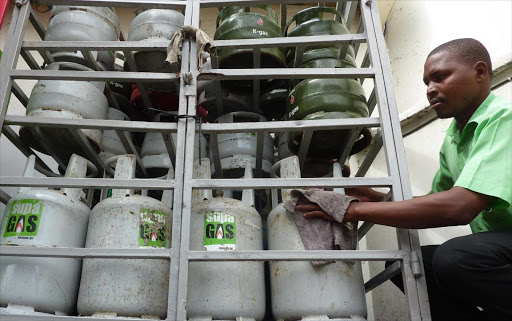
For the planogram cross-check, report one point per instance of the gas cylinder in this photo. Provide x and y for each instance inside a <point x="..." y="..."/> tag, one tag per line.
<point x="155" y="25"/>
<point x="238" y="150"/>
<point x="111" y="143"/>
<point x="231" y="101"/>
<point x="81" y="23"/>
<point x="44" y="218"/>
<point x="225" y="290"/>
<point x="128" y="288"/>
<point x="300" y="290"/>
<point x="66" y="99"/>
<point x="236" y="23"/>
<point x="316" y="21"/>
<point x="273" y="99"/>
<point x="155" y="157"/>
<point x="325" y="99"/>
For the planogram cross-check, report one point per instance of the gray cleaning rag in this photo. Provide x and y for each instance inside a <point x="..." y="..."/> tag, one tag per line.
<point x="321" y="234"/>
<point x="204" y="43"/>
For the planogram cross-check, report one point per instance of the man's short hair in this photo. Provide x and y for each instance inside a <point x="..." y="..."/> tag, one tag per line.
<point x="467" y="50"/>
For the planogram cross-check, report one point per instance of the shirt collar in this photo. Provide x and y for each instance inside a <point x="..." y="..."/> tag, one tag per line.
<point x="476" y="118"/>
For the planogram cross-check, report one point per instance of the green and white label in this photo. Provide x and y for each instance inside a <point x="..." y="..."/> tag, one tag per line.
<point x="219" y="231"/>
<point x="152" y="228"/>
<point x="23" y="220"/>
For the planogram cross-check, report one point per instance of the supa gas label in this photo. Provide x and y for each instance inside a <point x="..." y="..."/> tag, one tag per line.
<point x="152" y="228"/>
<point x="24" y="218"/>
<point x="219" y="231"/>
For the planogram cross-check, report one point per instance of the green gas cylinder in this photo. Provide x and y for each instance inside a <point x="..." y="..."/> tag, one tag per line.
<point x="325" y="99"/>
<point x="316" y="21"/>
<point x="246" y="23"/>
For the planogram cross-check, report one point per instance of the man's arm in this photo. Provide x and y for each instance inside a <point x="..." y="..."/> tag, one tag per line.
<point x="457" y="206"/>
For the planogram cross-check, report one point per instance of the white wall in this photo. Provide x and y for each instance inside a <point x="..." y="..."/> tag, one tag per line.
<point x="413" y="29"/>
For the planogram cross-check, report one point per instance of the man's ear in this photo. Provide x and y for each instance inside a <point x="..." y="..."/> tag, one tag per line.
<point x="481" y="69"/>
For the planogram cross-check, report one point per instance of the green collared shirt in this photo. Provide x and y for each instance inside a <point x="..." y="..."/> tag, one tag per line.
<point x="480" y="159"/>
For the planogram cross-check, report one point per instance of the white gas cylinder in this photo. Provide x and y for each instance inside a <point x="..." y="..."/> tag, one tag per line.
<point x="44" y="218"/>
<point x="239" y="150"/>
<point x="81" y="23"/>
<point x="300" y="290"/>
<point x="155" y="25"/>
<point x="225" y="290"/>
<point x="129" y="288"/>
<point x="111" y="143"/>
<point x="155" y="157"/>
<point x="66" y="99"/>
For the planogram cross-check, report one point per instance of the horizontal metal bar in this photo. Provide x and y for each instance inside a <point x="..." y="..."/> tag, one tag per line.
<point x="219" y="44"/>
<point x="286" y="126"/>
<point x="72" y="252"/>
<point x="388" y="273"/>
<point x="138" y="183"/>
<point x="227" y="3"/>
<point x="326" y="182"/>
<point x="93" y="75"/>
<point x="155" y="4"/>
<point x="285" y="73"/>
<point x="274" y="255"/>
<point x="49" y="317"/>
<point x="97" y="45"/>
<point x="102" y="124"/>
<point x="206" y="128"/>
<point x="289" y="41"/>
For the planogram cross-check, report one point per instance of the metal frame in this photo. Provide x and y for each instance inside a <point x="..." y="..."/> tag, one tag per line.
<point x="375" y="65"/>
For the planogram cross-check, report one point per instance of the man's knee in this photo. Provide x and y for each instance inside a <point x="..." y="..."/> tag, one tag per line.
<point x="453" y="258"/>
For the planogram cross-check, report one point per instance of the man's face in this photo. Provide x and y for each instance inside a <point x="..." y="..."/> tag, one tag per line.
<point x="451" y="85"/>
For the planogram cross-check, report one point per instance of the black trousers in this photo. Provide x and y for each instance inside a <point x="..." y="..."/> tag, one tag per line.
<point x="469" y="278"/>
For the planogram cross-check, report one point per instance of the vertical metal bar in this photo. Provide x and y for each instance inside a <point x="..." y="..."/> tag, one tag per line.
<point x="284" y="9"/>
<point x="304" y="146"/>
<point x="183" y="174"/>
<point x="18" y="92"/>
<point x="4" y="197"/>
<point x="35" y="131"/>
<point x="341" y="7"/>
<point x="140" y="85"/>
<point x="90" y="196"/>
<point x="38" y="26"/>
<point x="217" y="88"/>
<point x="370" y="156"/>
<point x="16" y="140"/>
<point x="91" y="59"/>
<point x="10" y="56"/>
<point x="47" y="56"/>
<point x="29" y="59"/>
<point x="415" y="288"/>
<point x="354" y="134"/>
<point x="350" y="12"/>
<point x="410" y="235"/>
<point x="171" y="148"/>
<point x="80" y="138"/>
<point x="129" y="147"/>
<point x="256" y="63"/>
<point x="214" y="146"/>
<point x="260" y="136"/>
<point x="360" y="29"/>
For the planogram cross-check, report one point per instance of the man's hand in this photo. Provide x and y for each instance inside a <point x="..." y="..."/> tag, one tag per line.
<point x="365" y="194"/>
<point x="312" y="210"/>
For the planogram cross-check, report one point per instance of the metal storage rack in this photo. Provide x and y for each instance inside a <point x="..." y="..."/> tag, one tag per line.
<point x="375" y="66"/>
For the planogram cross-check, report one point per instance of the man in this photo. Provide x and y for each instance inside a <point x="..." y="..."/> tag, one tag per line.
<point x="473" y="186"/>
